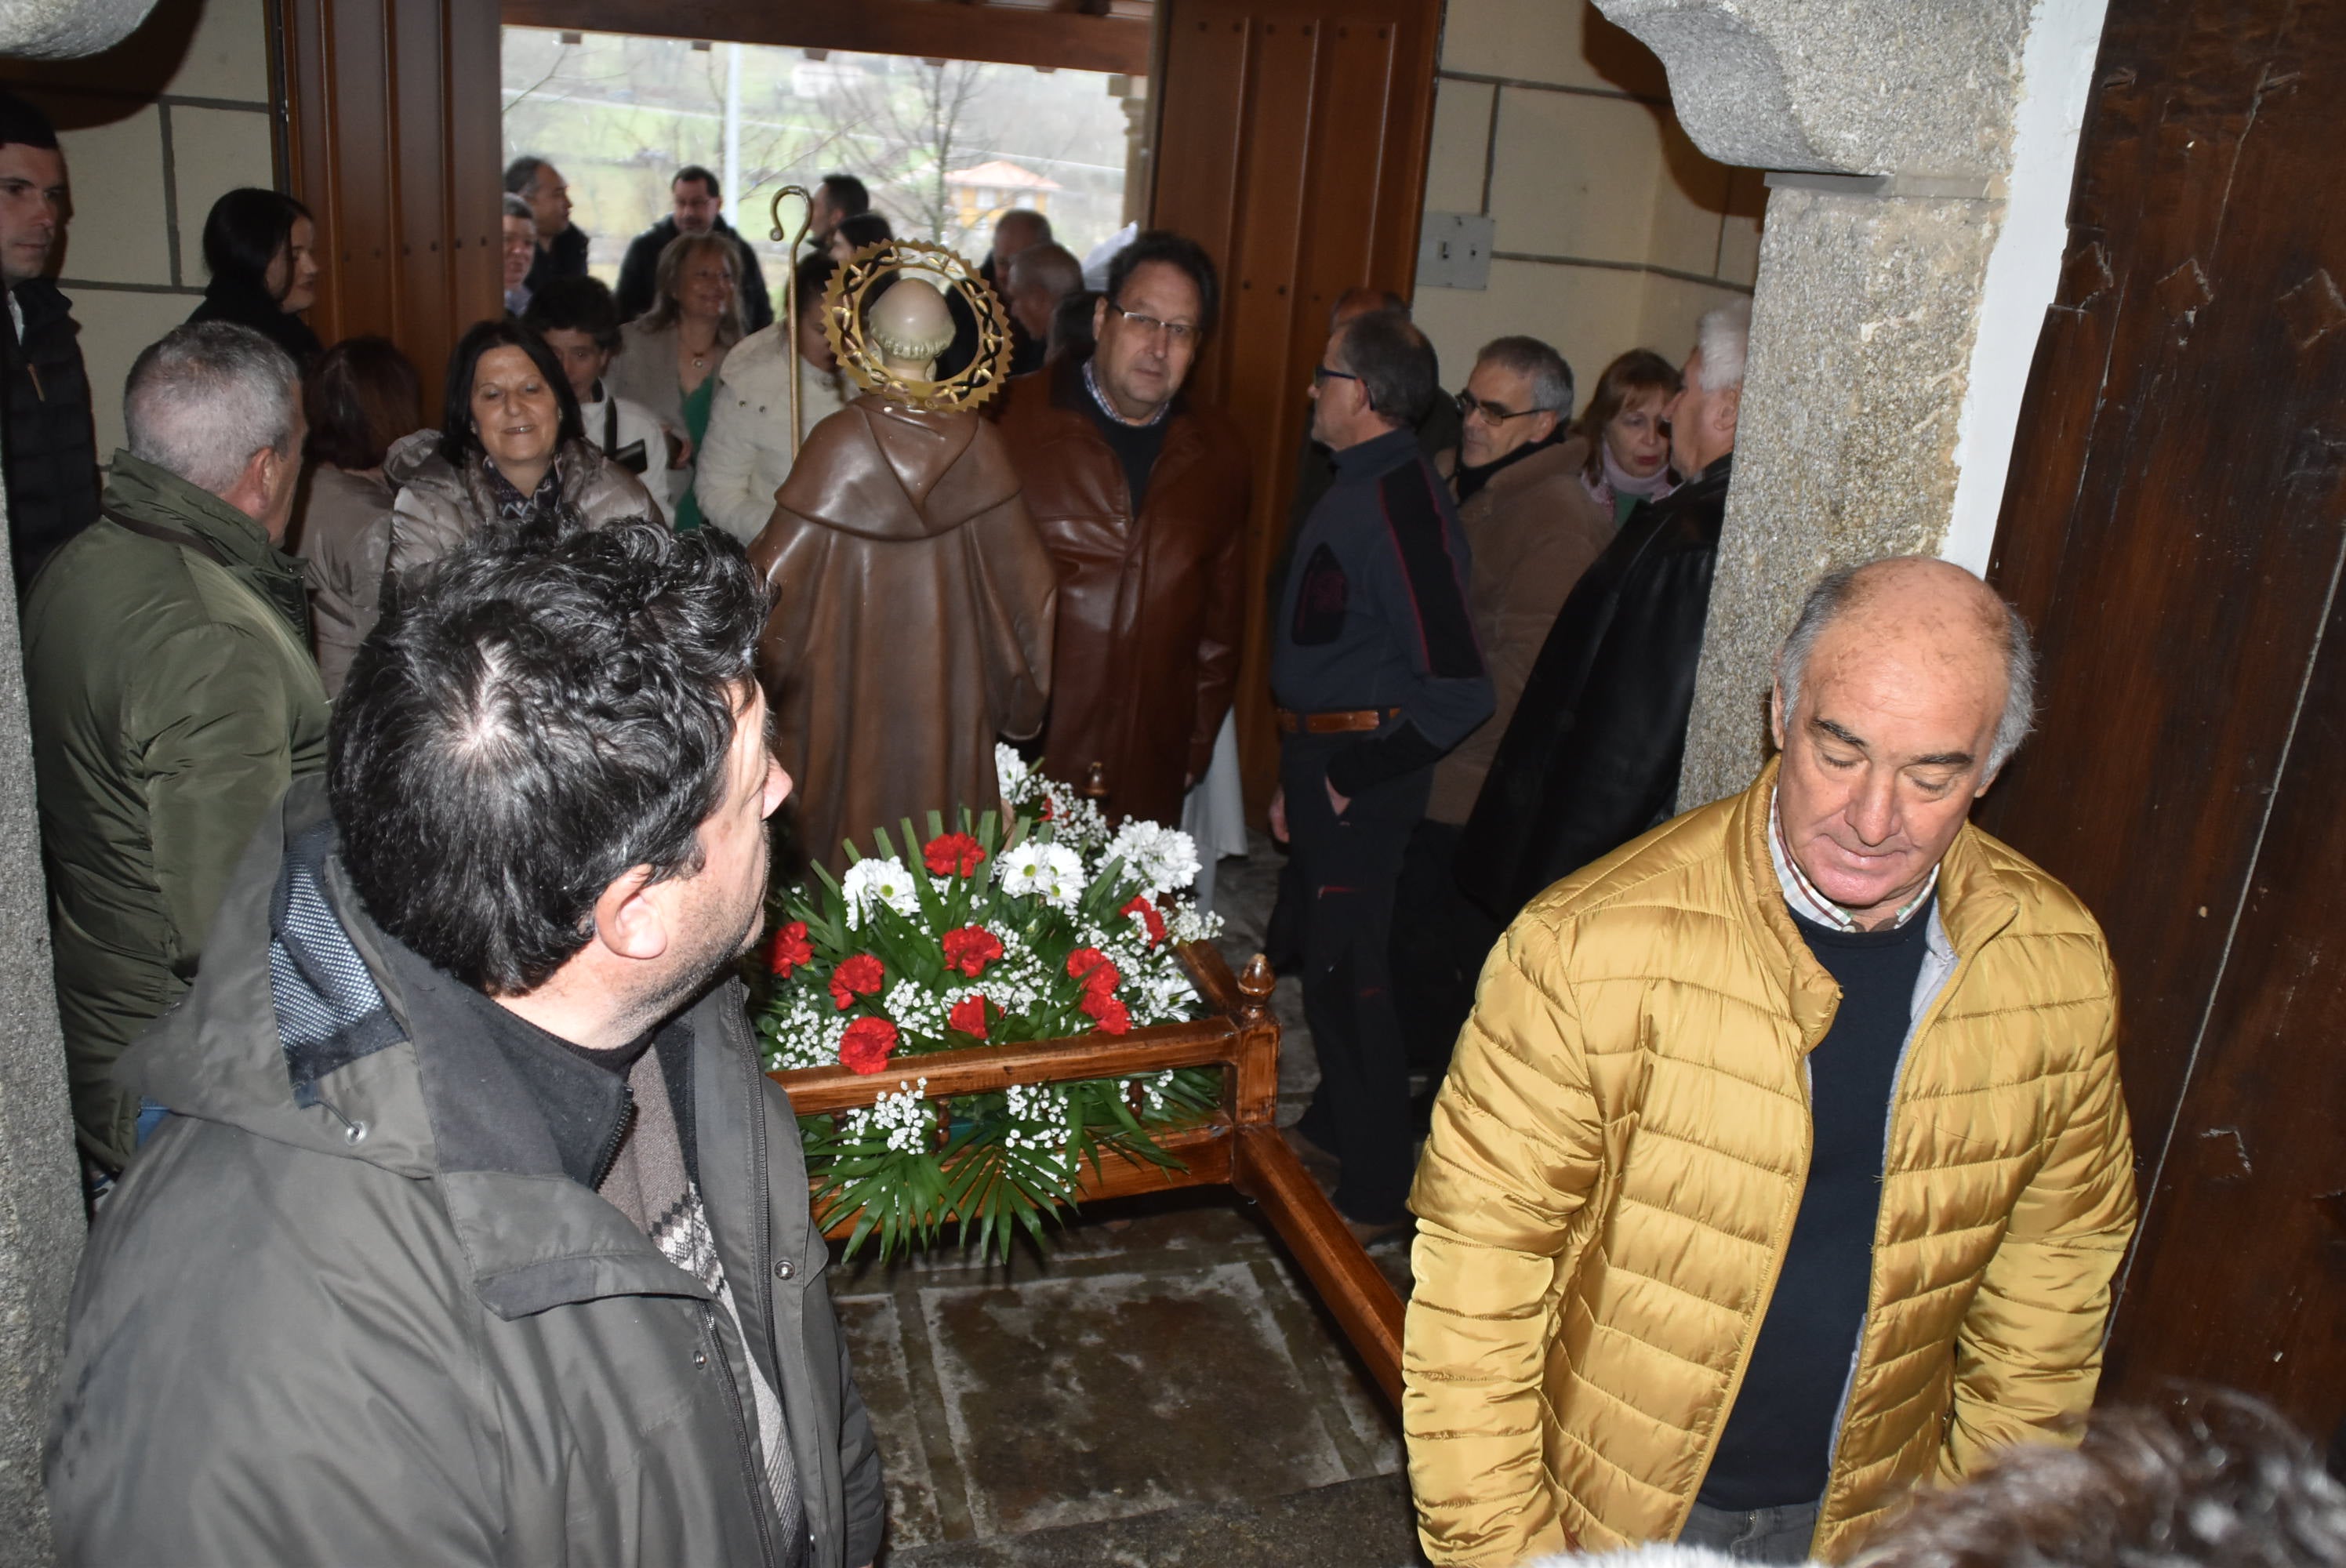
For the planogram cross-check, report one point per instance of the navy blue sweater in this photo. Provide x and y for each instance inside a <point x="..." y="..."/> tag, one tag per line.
<point x="1374" y="614"/>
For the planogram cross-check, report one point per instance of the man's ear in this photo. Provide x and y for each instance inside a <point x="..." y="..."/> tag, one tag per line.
<point x="628" y="919"/>
<point x="1544" y="423"/>
<point x="1776" y="713"/>
<point x="1099" y="317"/>
<point x="1725" y="407"/>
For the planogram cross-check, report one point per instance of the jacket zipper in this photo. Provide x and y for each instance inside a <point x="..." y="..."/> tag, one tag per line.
<point x="618" y="1135"/>
<point x="762" y="1490"/>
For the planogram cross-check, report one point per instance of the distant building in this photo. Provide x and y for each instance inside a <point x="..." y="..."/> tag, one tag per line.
<point x="983" y="194"/>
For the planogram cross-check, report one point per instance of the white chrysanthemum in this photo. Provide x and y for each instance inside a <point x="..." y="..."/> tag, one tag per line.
<point x="1061" y="880"/>
<point x="1161" y="858"/>
<point x="879" y="881"/>
<point x="1011" y="771"/>
<point x="1023" y="870"/>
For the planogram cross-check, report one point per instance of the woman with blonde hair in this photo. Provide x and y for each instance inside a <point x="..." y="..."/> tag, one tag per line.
<point x="668" y="357"/>
<point x="1625" y="441"/>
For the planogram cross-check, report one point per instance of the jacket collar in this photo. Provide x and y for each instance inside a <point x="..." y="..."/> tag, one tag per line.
<point x="141" y="490"/>
<point x="1381" y="455"/>
<point x="1972" y="907"/>
<point x="42" y="302"/>
<point x="1070" y="392"/>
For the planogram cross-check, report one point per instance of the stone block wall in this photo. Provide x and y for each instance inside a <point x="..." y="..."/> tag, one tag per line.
<point x="154" y="131"/>
<point x="1613" y="230"/>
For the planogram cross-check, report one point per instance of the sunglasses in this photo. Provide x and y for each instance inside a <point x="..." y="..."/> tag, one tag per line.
<point x="1469" y="405"/>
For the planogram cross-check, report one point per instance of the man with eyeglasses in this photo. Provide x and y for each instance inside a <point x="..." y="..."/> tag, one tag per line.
<point x="1533" y="528"/>
<point x="1376" y="672"/>
<point x="1140" y="496"/>
<point x="1591" y="758"/>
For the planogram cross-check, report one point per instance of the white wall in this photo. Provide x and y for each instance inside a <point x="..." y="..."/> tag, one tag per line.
<point x="1613" y="233"/>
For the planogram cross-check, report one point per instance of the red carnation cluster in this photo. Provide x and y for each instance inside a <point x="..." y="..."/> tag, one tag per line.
<point x="867" y="1044"/>
<point x="970" y="950"/>
<point x="968" y="1015"/>
<point x="1100" y="979"/>
<point x="790" y="949"/>
<point x="1140" y="906"/>
<point x="859" y="976"/>
<point x="954" y="854"/>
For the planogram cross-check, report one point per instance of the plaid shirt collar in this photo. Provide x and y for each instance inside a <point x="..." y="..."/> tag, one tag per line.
<point x="1091" y="385"/>
<point x="1803" y="895"/>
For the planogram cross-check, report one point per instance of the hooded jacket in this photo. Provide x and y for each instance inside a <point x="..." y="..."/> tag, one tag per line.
<point x="437" y="506"/>
<point x="1618" y="1157"/>
<point x="1151" y="599"/>
<point x="172" y="698"/>
<point x="354" y="1302"/>
<point x="913" y="607"/>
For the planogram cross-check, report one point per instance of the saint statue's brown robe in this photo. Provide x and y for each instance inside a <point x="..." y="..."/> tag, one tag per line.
<point x="914" y="610"/>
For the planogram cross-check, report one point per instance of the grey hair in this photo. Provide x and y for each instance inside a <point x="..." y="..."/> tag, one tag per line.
<point x="1723" y="336"/>
<point x="1834" y="592"/>
<point x="516" y="207"/>
<point x="203" y="398"/>
<point x="1550" y="376"/>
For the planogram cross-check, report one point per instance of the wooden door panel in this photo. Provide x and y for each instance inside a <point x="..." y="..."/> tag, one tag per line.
<point x="2174" y="527"/>
<point x="420" y="307"/>
<point x="1206" y="63"/>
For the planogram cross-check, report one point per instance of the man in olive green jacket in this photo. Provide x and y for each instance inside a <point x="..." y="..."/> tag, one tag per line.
<point x="172" y="691"/>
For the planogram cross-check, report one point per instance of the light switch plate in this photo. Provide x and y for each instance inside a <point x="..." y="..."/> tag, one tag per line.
<point x="1453" y="250"/>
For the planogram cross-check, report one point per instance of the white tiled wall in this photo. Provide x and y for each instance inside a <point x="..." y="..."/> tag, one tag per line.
<point x="1613" y="230"/>
<point x="153" y="131"/>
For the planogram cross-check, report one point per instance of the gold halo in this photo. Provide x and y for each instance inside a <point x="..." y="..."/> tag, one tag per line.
<point x="842" y="323"/>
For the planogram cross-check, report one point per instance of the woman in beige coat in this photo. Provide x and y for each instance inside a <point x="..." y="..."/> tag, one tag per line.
<point x="361" y="395"/>
<point x="669" y="358"/>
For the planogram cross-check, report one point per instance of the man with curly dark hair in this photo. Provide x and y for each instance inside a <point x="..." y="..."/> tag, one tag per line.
<point x="476" y="1234"/>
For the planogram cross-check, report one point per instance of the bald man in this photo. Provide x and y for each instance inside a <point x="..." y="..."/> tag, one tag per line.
<point x="1782" y="1164"/>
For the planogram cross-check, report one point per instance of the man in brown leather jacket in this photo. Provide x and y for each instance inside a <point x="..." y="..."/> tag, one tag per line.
<point x="1140" y="497"/>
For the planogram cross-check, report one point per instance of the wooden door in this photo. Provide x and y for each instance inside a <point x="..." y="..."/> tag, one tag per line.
<point x="2176" y="528"/>
<point x="1292" y="145"/>
<point x="395" y="145"/>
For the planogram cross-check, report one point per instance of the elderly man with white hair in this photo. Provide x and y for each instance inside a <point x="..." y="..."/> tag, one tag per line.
<point x="1590" y="758"/>
<point x="1783" y="1162"/>
<point x="172" y="692"/>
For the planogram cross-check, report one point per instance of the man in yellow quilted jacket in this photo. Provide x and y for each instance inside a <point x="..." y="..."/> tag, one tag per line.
<point x="1782" y="1165"/>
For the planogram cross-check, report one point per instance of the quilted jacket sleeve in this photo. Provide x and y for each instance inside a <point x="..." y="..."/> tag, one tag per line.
<point x="2029" y="1352"/>
<point x="1514" y="1157"/>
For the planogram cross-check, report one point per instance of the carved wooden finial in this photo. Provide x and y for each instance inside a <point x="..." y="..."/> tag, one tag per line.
<point x="1256" y="983"/>
<point x="1096" y="784"/>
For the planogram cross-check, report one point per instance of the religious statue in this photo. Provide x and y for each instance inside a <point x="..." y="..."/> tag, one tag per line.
<point x="913" y="602"/>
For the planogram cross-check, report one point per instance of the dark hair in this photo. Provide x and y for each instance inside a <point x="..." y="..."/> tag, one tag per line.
<point x="2213" y="1478"/>
<point x="575" y="305"/>
<point x="847" y="194"/>
<point x="246" y="230"/>
<point x="811" y="277"/>
<point x="522" y="172"/>
<point x="458" y="440"/>
<point x="1071" y="324"/>
<point x="864" y="229"/>
<point x="1396" y="365"/>
<point x="22" y="124"/>
<point x="525" y="726"/>
<point x="694" y="171"/>
<point x="361" y="395"/>
<point x="1174" y="250"/>
<point x="1637" y="370"/>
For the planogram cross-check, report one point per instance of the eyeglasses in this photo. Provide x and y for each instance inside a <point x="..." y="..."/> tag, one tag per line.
<point x="1469" y="405"/>
<point x="1177" y="334"/>
<point x="1320" y="373"/>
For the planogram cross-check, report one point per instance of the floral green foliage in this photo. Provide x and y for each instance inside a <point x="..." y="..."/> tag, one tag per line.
<point x="1057" y="928"/>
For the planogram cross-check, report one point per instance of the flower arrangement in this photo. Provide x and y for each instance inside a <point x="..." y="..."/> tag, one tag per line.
<point x="1059" y="927"/>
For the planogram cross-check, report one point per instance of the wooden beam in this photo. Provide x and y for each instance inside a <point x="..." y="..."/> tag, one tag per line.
<point x="927" y="29"/>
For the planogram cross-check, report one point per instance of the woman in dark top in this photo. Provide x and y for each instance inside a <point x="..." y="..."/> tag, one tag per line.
<point x="260" y="247"/>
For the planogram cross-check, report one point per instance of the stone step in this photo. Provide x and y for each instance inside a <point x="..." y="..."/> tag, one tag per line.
<point x="1364" y="1524"/>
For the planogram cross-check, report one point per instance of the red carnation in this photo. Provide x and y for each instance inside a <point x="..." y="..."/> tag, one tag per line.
<point x="866" y="1045"/>
<point x="1149" y="917"/>
<point x="859" y="976"/>
<point x="1107" y="1012"/>
<point x="971" y="948"/>
<point x="1083" y="960"/>
<point x="790" y="949"/>
<point x="953" y="853"/>
<point x="968" y="1015"/>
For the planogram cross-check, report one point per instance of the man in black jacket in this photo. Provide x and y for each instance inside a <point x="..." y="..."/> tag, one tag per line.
<point x="561" y="245"/>
<point x="51" y="448"/>
<point x="698" y="211"/>
<point x="1591" y="758"/>
<point x="1376" y="672"/>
